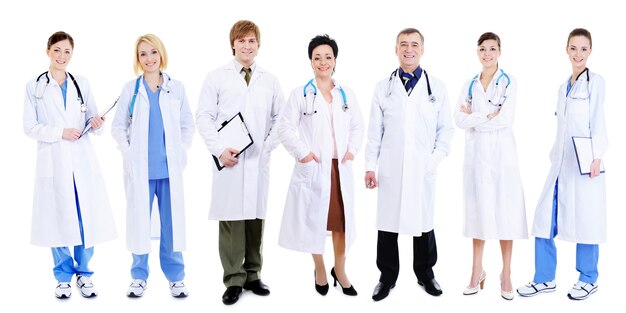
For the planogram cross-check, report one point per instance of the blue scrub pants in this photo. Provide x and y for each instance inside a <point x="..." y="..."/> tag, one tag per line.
<point x="171" y="262"/>
<point x="545" y="254"/>
<point x="64" y="266"/>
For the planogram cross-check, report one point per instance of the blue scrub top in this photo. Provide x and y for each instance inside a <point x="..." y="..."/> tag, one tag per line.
<point x="64" y="92"/>
<point x="157" y="158"/>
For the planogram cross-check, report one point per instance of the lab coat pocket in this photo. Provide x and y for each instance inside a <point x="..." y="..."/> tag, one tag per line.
<point x="303" y="172"/>
<point x="428" y="110"/>
<point x="126" y="162"/>
<point x="44" y="160"/>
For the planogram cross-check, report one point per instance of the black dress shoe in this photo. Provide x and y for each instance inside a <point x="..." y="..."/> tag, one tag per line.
<point x="257" y="287"/>
<point x="350" y="291"/>
<point x="231" y="295"/>
<point x="321" y="289"/>
<point x="381" y="291"/>
<point x="431" y="286"/>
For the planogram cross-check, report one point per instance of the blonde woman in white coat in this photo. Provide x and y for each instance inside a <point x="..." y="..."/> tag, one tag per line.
<point x="71" y="207"/>
<point x="493" y="194"/>
<point x="154" y="127"/>
<point x="322" y="128"/>
<point x="573" y="205"/>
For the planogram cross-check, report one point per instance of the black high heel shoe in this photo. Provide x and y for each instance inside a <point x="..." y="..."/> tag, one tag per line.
<point x="321" y="289"/>
<point x="350" y="291"/>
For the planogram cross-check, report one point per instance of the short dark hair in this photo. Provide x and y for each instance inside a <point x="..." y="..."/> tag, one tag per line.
<point x="60" y="36"/>
<point x="408" y="31"/>
<point x="489" y="36"/>
<point x="580" y="32"/>
<point x="320" y="40"/>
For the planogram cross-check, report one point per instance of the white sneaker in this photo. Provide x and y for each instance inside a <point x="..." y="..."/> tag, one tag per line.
<point x="85" y="286"/>
<point x="582" y="290"/>
<point x="533" y="288"/>
<point x="136" y="288"/>
<point x="178" y="289"/>
<point x="63" y="290"/>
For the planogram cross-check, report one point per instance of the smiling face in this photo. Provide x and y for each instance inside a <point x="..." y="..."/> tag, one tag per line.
<point x="323" y="61"/>
<point x="246" y="49"/>
<point x="409" y="49"/>
<point x="149" y="57"/>
<point x="488" y="53"/>
<point x="578" y="49"/>
<point x="60" y="54"/>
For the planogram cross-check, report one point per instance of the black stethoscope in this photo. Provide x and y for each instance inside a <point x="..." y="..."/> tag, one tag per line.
<point x="83" y="106"/>
<point x="431" y="97"/>
<point x="309" y="109"/>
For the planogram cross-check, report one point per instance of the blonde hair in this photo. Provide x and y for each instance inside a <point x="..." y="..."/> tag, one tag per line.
<point x="157" y="44"/>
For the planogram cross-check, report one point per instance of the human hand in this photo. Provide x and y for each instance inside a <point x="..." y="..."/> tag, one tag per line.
<point x="492" y="115"/>
<point x="347" y="157"/>
<point x="71" y="134"/>
<point x="466" y="109"/>
<point x="370" y="180"/>
<point x="595" y="168"/>
<point x="228" y="157"/>
<point x="97" y="122"/>
<point x="309" y="157"/>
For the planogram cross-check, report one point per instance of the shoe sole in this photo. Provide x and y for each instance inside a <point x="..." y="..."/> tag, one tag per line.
<point x="180" y="295"/>
<point x="63" y="296"/>
<point x="585" y="297"/>
<point x="88" y="295"/>
<point x="546" y="290"/>
<point x="133" y="295"/>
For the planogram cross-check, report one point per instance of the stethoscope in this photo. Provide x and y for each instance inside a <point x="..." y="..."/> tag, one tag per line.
<point x="309" y="108"/>
<point x="431" y="97"/>
<point x="39" y="91"/>
<point x="500" y="91"/>
<point x="571" y="91"/>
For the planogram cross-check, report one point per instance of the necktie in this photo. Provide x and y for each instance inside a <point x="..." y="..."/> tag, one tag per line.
<point x="407" y="80"/>
<point x="247" y="77"/>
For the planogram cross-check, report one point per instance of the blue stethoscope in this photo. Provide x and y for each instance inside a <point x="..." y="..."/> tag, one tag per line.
<point x="39" y="91"/>
<point x="500" y="90"/>
<point x="431" y="97"/>
<point x="309" y="108"/>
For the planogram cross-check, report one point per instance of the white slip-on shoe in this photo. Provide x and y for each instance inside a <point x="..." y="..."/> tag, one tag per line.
<point x="85" y="286"/>
<point x="474" y="290"/>
<point x="63" y="290"/>
<point x="178" y="289"/>
<point x="582" y="290"/>
<point x="532" y="288"/>
<point x="136" y="288"/>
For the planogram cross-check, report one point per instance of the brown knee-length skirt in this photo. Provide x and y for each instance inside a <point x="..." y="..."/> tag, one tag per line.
<point x="336" y="217"/>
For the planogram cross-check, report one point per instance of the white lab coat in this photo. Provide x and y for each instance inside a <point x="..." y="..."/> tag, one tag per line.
<point x="240" y="192"/>
<point x="407" y="138"/>
<point x="581" y="200"/>
<point x="305" y="216"/>
<point x="132" y="140"/>
<point x="492" y="187"/>
<point x="61" y="164"/>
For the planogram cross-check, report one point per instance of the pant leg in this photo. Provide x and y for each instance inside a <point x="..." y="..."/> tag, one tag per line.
<point x="253" y="261"/>
<point x="424" y="255"/>
<point x="587" y="262"/>
<point x="545" y="249"/>
<point x="232" y="243"/>
<point x="63" y="264"/>
<point x="82" y="256"/>
<point x="140" y="268"/>
<point x="172" y="262"/>
<point x="387" y="258"/>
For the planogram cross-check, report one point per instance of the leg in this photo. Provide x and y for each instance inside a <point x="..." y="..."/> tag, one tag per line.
<point x="478" y="246"/>
<point x="387" y="258"/>
<point x="424" y="255"/>
<point x="505" y="277"/>
<point x="63" y="264"/>
<point x="545" y="250"/>
<point x="587" y="262"/>
<point x="140" y="268"/>
<point x="339" y="247"/>
<point x="82" y="255"/>
<point x="232" y="243"/>
<point x="172" y="262"/>
<point x="253" y="261"/>
<point x="320" y="270"/>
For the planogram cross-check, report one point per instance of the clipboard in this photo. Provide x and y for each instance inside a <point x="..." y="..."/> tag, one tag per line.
<point x="584" y="154"/>
<point x="234" y="134"/>
<point x="88" y="122"/>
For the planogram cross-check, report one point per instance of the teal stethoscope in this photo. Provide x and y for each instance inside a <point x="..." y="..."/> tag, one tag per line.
<point x="500" y="90"/>
<point x="309" y="108"/>
<point x="431" y="97"/>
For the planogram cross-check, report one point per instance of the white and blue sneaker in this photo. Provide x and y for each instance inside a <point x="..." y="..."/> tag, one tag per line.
<point x="136" y="288"/>
<point x="85" y="286"/>
<point x="178" y="289"/>
<point x="532" y="288"/>
<point x="582" y="290"/>
<point x="63" y="290"/>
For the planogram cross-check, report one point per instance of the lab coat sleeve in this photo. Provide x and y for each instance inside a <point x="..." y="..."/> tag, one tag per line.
<point x="464" y="120"/>
<point x="375" y="132"/>
<point x="206" y="115"/>
<point x="32" y="127"/>
<point x="445" y="129"/>
<point x="278" y="102"/>
<point x="599" y="136"/>
<point x="187" y="127"/>
<point x="355" y="136"/>
<point x="505" y="118"/>
<point x="120" y="127"/>
<point x="288" y="125"/>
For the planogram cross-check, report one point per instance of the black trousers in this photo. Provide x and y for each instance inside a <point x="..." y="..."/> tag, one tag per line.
<point x="424" y="256"/>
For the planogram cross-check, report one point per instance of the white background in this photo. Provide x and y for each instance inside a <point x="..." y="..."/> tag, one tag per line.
<point x="195" y="34"/>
